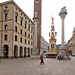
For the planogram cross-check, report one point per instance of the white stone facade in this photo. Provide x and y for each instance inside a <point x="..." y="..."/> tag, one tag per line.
<point x="73" y="42"/>
<point x="16" y="31"/>
<point x="44" y="46"/>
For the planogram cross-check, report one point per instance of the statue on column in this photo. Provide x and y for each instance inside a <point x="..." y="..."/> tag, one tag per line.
<point x="63" y="52"/>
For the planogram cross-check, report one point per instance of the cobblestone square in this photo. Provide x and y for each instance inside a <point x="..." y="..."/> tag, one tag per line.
<point x="29" y="66"/>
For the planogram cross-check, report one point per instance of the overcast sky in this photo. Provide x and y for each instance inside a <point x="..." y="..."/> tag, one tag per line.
<point x="49" y="8"/>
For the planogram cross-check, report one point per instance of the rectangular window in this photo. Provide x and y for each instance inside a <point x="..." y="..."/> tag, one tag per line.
<point x="25" y="41"/>
<point x="31" y="30"/>
<point x="25" y="24"/>
<point x="28" y="35"/>
<point x="28" y="42"/>
<point x="25" y="34"/>
<point x="5" y="36"/>
<point x="15" y="38"/>
<point x="21" y="31"/>
<point x="15" y="29"/>
<point x="21" y="40"/>
<point x="5" y="27"/>
<point x="6" y="16"/>
<point x="21" y="22"/>
<point x="29" y="27"/>
<point x="6" y="7"/>
<point x="21" y="13"/>
<point x="15" y="18"/>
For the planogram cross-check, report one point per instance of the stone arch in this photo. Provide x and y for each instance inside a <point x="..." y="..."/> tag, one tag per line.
<point x="28" y="52"/>
<point x="5" y="51"/>
<point x="25" y="51"/>
<point x="15" y="51"/>
<point x="21" y="51"/>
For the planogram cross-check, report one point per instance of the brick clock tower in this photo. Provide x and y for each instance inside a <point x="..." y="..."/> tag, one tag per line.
<point x="37" y="18"/>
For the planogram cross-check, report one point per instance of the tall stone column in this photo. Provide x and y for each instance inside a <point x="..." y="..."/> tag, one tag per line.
<point x="62" y="14"/>
<point x="63" y="51"/>
<point x="35" y="36"/>
<point x="35" y="49"/>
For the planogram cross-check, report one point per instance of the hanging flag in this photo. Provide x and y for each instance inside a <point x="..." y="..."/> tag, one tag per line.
<point x="55" y="33"/>
<point x="49" y="33"/>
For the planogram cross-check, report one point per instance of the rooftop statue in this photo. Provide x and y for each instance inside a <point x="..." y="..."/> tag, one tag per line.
<point x="63" y="10"/>
<point x="74" y="29"/>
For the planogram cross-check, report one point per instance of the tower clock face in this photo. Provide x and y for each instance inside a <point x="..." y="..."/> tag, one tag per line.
<point x="37" y="1"/>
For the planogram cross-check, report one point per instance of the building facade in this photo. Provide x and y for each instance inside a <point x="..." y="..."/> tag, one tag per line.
<point x="44" y="46"/>
<point x="16" y="31"/>
<point x="37" y="13"/>
<point x="71" y="44"/>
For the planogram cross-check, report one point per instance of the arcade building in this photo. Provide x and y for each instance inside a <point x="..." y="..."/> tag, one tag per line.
<point x="16" y="31"/>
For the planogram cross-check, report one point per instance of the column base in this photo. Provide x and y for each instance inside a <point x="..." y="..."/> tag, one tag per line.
<point x="64" y="53"/>
<point x="35" y="54"/>
<point x="35" y="51"/>
<point x="62" y="47"/>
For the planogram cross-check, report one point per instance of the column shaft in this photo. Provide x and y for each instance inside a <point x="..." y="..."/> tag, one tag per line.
<point x="62" y="32"/>
<point x="35" y="44"/>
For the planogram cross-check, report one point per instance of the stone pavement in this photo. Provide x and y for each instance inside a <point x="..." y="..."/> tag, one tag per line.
<point x="29" y="66"/>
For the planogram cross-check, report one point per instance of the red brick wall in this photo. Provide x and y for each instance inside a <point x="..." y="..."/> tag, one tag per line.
<point x="37" y="8"/>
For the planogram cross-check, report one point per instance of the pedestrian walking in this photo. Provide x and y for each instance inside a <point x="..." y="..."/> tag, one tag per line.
<point x="41" y="57"/>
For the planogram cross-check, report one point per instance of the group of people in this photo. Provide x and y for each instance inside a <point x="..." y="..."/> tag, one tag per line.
<point x="60" y="57"/>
